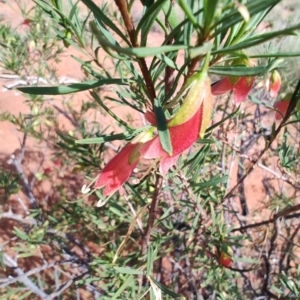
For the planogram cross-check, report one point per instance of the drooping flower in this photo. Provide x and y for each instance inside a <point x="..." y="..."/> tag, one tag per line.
<point x="120" y="167"/>
<point x="186" y="127"/>
<point x="224" y="256"/>
<point x="275" y="83"/>
<point x="189" y="122"/>
<point x="240" y="86"/>
<point x="225" y="260"/>
<point x="282" y="106"/>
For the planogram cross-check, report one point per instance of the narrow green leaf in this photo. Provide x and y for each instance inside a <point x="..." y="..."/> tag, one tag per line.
<point x="295" y="100"/>
<point x="20" y="233"/>
<point x="209" y="7"/>
<point x="147" y="21"/>
<point x="103" y="18"/>
<point x="162" y="128"/>
<point x="188" y="12"/>
<point x="257" y="40"/>
<point x="170" y="13"/>
<point x="150" y="260"/>
<point x="118" y="292"/>
<point x="2" y="264"/>
<point x="212" y="182"/>
<point x="244" y="71"/>
<point x="246" y="260"/>
<point x="201" y="50"/>
<point x="140" y="51"/>
<point x="234" y="16"/>
<point x="71" y="88"/>
<point x="129" y="271"/>
<point x="104" y="138"/>
<point x="165" y="289"/>
<point x="169" y="62"/>
<point x="112" y="137"/>
<point x="278" y="54"/>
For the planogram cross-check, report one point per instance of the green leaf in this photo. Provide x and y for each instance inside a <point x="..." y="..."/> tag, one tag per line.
<point x="243" y="70"/>
<point x="209" y="7"/>
<point x="150" y="260"/>
<point x="165" y="289"/>
<point x="103" y="18"/>
<point x="278" y="54"/>
<point x="246" y="260"/>
<point x="249" y="42"/>
<point x="162" y="128"/>
<point x="295" y="100"/>
<point x="212" y="182"/>
<point x="20" y="233"/>
<point x="140" y="51"/>
<point x="147" y="21"/>
<point x="104" y="138"/>
<point x="71" y="88"/>
<point x="117" y="293"/>
<point x="201" y="50"/>
<point x="234" y="16"/>
<point x="129" y="271"/>
<point x="170" y="13"/>
<point x="188" y="12"/>
<point x="112" y="137"/>
<point x="2" y="264"/>
<point x="169" y="62"/>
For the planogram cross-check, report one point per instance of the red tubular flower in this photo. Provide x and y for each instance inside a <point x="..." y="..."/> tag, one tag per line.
<point x="282" y="106"/>
<point x="225" y="259"/>
<point x="185" y="128"/>
<point x="275" y="84"/>
<point x="117" y="171"/>
<point x="240" y="87"/>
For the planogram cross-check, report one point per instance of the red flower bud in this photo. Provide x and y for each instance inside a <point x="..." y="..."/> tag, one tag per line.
<point x="240" y="86"/>
<point x="275" y="83"/>
<point x="282" y="106"/>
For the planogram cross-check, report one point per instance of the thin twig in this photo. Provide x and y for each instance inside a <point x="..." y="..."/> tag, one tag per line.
<point x="152" y="212"/>
<point x="8" y="281"/>
<point x="281" y="214"/>
<point x="8" y="261"/>
<point x="17" y="164"/>
<point x="122" y="5"/>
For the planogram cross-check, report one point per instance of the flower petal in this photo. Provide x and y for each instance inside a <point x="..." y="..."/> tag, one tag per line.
<point x="281" y="108"/>
<point x="117" y="171"/>
<point x="221" y="87"/>
<point x="150" y="117"/>
<point x="242" y="88"/>
<point x="182" y="137"/>
<point x="166" y="163"/>
<point x="275" y="84"/>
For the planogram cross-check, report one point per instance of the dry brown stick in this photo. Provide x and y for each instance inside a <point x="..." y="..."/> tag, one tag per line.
<point x="7" y="281"/>
<point x="283" y="213"/>
<point x="267" y="257"/>
<point x="152" y="212"/>
<point x="287" y="248"/>
<point x="122" y="5"/>
<point x="8" y="261"/>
